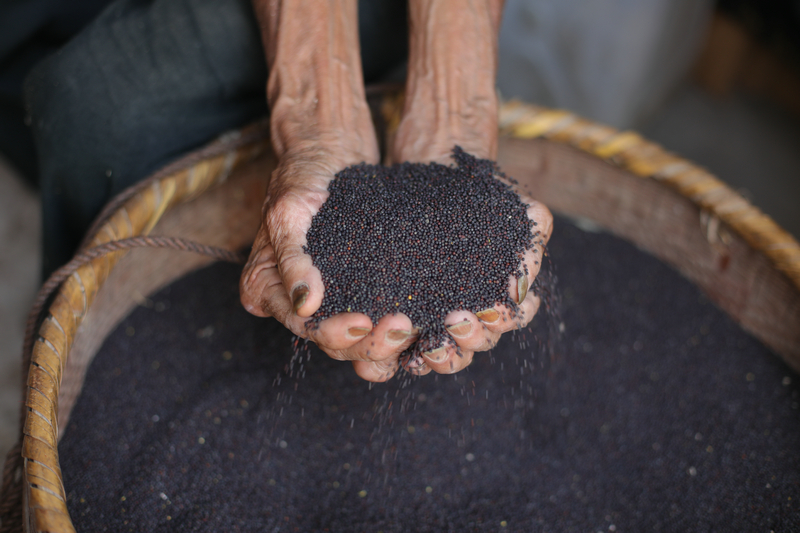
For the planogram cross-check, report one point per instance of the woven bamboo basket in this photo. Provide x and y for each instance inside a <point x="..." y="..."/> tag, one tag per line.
<point x="633" y="188"/>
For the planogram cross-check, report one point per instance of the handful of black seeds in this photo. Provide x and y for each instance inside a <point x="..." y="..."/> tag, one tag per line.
<point x="419" y="239"/>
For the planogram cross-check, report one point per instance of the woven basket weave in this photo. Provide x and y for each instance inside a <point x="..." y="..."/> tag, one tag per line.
<point x="665" y="205"/>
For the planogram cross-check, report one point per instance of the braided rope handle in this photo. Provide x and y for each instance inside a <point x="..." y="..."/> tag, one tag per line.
<point x="11" y="493"/>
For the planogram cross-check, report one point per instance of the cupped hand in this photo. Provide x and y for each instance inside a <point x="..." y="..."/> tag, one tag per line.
<point x="451" y="100"/>
<point x="477" y="332"/>
<point x="470" y="122"/>
<point x="281" y="281"/>
<point x="321" y="124"/>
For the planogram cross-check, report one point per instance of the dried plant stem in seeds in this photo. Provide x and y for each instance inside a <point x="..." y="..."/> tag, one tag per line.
<point x="419" y="239"/>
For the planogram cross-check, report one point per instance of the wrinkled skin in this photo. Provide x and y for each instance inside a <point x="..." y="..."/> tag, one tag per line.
<point x="321" y="124"/>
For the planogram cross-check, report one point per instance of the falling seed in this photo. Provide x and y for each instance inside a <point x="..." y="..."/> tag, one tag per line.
<point x="205" y="332"/>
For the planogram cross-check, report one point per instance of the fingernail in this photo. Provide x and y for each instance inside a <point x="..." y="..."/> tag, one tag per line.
<point x="358" y="332"/>
<point x="415" y="332"/>
<point x="396" y="336"/>
<point x="460" y="329"/>
<point x="299" y="296"/>
<point x="436" y="355"/>
<point x="522" y="288"/>
<point x="488" y="315"/>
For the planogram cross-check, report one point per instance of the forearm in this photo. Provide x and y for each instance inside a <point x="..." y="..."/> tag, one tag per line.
<point x="450" y="90"/>
<point x="316" y="89"/>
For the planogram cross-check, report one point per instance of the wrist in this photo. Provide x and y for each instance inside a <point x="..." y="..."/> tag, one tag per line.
<point x="431" y="127"/>
<point x="300" y="131"/>
<point x="450" y="90"/>
<point x="316" y="89"/>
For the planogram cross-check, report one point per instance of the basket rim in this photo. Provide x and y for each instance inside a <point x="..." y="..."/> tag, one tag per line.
<point x="629" y="151"/>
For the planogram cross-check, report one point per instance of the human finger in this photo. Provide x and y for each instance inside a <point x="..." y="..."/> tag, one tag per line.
<point x="416" y="365"/>
<point x="377" y="371"/>
<point x="541" y="232"/>
<point x="468" y="333"/>
<point x="336" y="334"/>
<point x="500" y="319"/>
<point x="262" y="292"/>
<point x="259" y="276"/>
<point x="447" y="359"/>
<point x="287" y="221"/>
<point x="390" y="337"/>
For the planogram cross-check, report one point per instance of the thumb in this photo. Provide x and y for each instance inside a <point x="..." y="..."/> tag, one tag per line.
<point x="287" y="223"/>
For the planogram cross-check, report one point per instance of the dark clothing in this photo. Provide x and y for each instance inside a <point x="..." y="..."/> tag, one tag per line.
<point x="29" y="31"/>
<point x="147" y="81"/>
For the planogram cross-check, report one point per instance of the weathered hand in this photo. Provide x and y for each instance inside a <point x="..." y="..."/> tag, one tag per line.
<point x="451" y="100"/>
<point x="280" y="280"/>
<point x="320" y="124"/>
<point x="477" y="332"/>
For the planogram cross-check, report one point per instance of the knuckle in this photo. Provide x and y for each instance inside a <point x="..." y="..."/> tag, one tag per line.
<point x="338" y="355"/>
<point x="489" y="343"/>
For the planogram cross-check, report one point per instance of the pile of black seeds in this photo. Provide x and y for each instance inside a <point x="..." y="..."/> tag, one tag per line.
<point x="423" y="240"/>
<point x="658" y="414"/>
